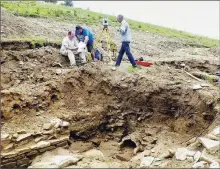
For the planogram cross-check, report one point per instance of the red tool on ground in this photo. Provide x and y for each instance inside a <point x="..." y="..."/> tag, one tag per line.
<point x="144" y="63"/>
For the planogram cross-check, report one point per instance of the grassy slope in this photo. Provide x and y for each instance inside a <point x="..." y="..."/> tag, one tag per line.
<point x="76" y="15"/>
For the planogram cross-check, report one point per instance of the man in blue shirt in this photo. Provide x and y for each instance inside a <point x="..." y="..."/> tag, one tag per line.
<point x="83" y="35"/>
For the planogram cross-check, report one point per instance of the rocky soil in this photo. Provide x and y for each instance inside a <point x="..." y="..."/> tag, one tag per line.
<point x="56" y="116"/>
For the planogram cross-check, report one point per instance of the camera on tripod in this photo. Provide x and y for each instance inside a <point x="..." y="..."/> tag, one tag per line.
<point x="105" y="22"/>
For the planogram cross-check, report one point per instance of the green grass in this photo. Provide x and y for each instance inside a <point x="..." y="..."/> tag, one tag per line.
<point x="77" y="15"/>
<point x="35" y="41"/>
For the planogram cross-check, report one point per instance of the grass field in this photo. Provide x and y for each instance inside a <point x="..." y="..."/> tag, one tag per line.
<point x="77" y="15"/>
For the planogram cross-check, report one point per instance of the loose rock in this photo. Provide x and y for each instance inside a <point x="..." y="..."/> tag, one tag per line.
<point x="197" y="156"/>
<point x="40" y="144"/>
<point x="47" y="126"/>
<point x="96" y="154"/>
<point x="4" y="136"/>
<point x="216" y="131"/>
<point x="191" y="153"/>
<point x="58" y="158"/>
<point x="181" y="154"/>
<point x="9" y="146"/>
<point x="212" y="137"/>
<point x="214" y="165"/>
<point x="196" y="87"/>
<point x="190" y="159"/>
<point x="15" y="135"/>
<point x="121" y="157"/>
<point x="21" y="132"/>
<point x="38" y="139"/>
<point x="65" y="124"/>
<point x="146" y="161"/>
<point x="201" y="164"/>
<point x="56" y="123"/>
<point x="58" y="71"/>
<point x="210" y="145"/>
<point x="140" y="156"/>
<point x="23" y="137"/>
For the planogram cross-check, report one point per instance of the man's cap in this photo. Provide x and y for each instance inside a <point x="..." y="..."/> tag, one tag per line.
<point x="78" y="27"/>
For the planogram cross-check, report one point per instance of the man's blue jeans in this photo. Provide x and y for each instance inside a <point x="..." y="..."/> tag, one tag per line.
<point x="125" y="48"/>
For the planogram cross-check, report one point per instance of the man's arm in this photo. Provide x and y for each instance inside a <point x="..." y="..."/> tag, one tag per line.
<point x="123" y="28"/>
<point x="76" y="35"/>
<point x="73" y="49"/>
<point x="86" y="36"/>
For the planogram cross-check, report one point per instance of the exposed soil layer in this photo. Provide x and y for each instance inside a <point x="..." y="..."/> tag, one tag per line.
<point x="150" y="110"/>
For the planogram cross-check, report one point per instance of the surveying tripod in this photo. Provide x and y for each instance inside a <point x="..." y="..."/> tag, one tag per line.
<point x="111" y="47"/>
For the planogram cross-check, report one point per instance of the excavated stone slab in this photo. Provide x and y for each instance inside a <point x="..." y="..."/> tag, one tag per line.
<point x="57" y="158"/>
<point x="146" y="161"/>
<point x="41" y="144"/>
<point x="4" y="136"/>
<point x="61" y="139"/>
<point x="210" y="145"/>
<point x="49" y="132"/>
<point x="216" y="131"/>
<point x="9" y="146"/>
<point x="201" y="164"/>
<point x="65" y="124"/>
<point x="23" y="137"/>
<point x="181" y="154"/>
<point x="214" y="165"/>
<point x="11" y="154"/>
<point x="197" y="156"/>
<point x="212" y="137"/>
<point x="48" y="126"/>
<point x="23" y="150"/>
<point x="96" y="154"/>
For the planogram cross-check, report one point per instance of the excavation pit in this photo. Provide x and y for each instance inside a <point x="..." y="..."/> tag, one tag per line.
<point x="93" y="107"/>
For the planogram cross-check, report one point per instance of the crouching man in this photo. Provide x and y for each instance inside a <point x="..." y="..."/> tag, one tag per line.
<point x="70" y="48"/>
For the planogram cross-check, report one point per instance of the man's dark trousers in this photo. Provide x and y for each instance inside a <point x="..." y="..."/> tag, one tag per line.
<point x="125" y="48"/>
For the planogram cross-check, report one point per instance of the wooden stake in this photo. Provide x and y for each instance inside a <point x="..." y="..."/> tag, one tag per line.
<point x="192" y="76"/>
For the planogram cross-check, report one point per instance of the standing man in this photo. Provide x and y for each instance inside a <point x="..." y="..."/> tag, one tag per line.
<point x="125" y="36"/>
<point x="69" y="48"/>
<point x="85" y="36"/>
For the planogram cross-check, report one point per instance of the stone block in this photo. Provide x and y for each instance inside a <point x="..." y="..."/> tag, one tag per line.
<point x="23" y="150"/>
<point x="23" y="137"/>
<point x="48" y="126"/>
<point x="62" y="144"/>
<point x="41" y="144"/>
<point x="181" y="154"/>
<point x="22" y="143"/>
<point x="9" y="165"/>
<point x="61" y="139"/>
<point x="50" y="132"/>
<point x="23" y="162"/>
<point x="5" y="161"/>
<point x="66" y="146"/>
<point x="11" y="154"/>
<point x="54" y="142"/>
<point x="210" y="145"/>
<point x="46" y="149"/>
<point x="146" y="161"/>
<point x="31" y="153"/>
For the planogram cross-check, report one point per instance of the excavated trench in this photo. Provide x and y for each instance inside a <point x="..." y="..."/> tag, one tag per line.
<point x="139" y="112"/>
<point x="131" y="103"/>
